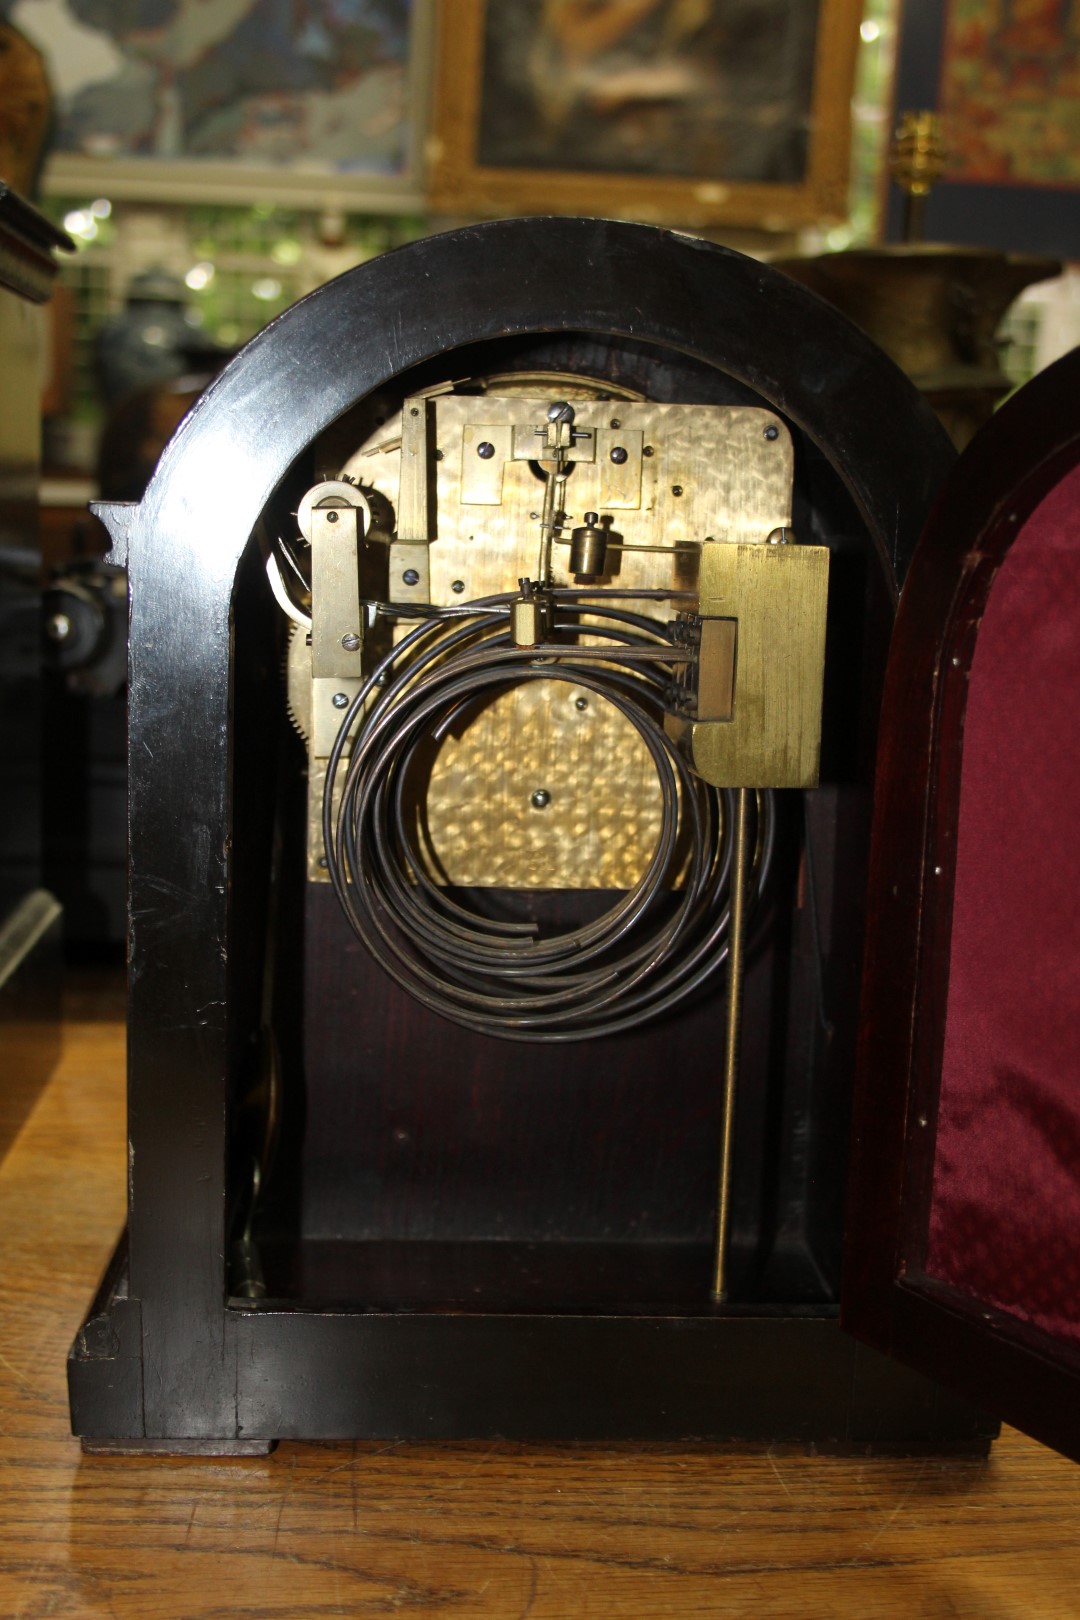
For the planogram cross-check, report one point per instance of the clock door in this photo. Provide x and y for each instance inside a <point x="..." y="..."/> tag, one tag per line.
<point x="963" y="1244"/>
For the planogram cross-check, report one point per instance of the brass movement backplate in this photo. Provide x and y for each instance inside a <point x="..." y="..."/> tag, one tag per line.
<point x="546" y="786"/>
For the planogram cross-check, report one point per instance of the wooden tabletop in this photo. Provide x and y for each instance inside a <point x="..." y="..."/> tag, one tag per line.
<point x="472" y="1530"/>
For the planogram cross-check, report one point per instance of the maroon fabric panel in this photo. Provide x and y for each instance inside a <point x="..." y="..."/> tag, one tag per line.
<point x="1005" y="1212"/>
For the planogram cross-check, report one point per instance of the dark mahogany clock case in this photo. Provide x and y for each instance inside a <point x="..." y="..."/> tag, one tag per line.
<point x="170" y="1359"/>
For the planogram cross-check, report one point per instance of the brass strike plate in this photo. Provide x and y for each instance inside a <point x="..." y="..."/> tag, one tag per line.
<point x="689" y="472"/>
<point x="767" y="666"/>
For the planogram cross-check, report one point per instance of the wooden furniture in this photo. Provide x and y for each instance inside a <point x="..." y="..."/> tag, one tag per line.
<point x="476" y="1529"/>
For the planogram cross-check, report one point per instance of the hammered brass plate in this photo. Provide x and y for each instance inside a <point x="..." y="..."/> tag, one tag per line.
<point x="595" y="818"/>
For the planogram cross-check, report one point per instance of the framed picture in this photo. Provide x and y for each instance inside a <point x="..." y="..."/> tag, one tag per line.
<point x="236" y="101"/>
<point x="695" y="112"/>
<point x="1004" y="75"/>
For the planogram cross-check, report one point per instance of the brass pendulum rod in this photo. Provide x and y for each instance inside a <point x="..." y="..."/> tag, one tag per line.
<point x="552" y="517"/>
<point x="731" y="1040"/>
<point x="560" y="436"/>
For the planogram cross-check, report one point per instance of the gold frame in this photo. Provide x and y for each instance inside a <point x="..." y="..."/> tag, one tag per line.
<point x="459" y="185"/>
<point x="242" y="182"/>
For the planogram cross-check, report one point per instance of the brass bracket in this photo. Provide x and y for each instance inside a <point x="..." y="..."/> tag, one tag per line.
<point x="410" y="571"/>
<point x="413" y="514"/>
<point x="410" y="552"/>
<point x="751" y="715"/>
<point x="618" y="455"/>
<point x="337" y="622"/>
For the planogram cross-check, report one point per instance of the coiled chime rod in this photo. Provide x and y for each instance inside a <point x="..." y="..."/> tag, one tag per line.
<point x="649" y="951"/>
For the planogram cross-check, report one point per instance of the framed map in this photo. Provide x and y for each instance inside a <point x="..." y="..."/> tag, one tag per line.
<point x="1004" y="75"/>
<point x="233" y="100"/>
<point x="696" y="112"/>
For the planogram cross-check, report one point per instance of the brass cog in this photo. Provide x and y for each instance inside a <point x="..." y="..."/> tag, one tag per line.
<point x="297" y="672"/>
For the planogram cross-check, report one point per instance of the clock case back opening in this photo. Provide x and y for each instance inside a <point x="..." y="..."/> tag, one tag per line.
<point x="460" y="1236"/>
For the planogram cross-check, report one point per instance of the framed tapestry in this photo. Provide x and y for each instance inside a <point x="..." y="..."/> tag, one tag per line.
<point x="695" y="112"/>
<point x="235" y="101"/>
<point x="1004" y="75"/>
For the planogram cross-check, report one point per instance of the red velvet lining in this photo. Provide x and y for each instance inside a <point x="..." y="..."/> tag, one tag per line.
<point x="1005" y="1212"/>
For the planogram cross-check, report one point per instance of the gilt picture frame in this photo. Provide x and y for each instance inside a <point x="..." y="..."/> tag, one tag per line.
<point x="241" y="103"/>
<point x="687" y="112"/>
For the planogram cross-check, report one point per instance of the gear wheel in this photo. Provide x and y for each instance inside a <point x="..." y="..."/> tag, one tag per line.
<point x="297" y="674"/>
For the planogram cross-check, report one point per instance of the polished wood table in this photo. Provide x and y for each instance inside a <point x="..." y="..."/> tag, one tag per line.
<point x="472" y="1530"/>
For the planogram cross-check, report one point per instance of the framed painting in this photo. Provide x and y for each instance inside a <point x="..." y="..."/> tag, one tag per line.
<point x="694" y="112"/>
<point x="236" y="101"/>
<point x="1004" y="76"/>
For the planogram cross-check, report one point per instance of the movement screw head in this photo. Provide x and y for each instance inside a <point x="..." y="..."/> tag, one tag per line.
<point x="618" y="454"/>
<point x="485" y="450"/>
<point x="350" y="642"/>
<point x="541" y="799"/>
<point x="340" y="701"/>
<point x="411" y="577"/>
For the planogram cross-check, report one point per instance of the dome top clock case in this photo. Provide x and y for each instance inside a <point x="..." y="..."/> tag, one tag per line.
<point x="508" y="631"/>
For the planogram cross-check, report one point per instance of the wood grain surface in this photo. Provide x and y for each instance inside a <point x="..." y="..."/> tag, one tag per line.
<point x="452" y="1529"/>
